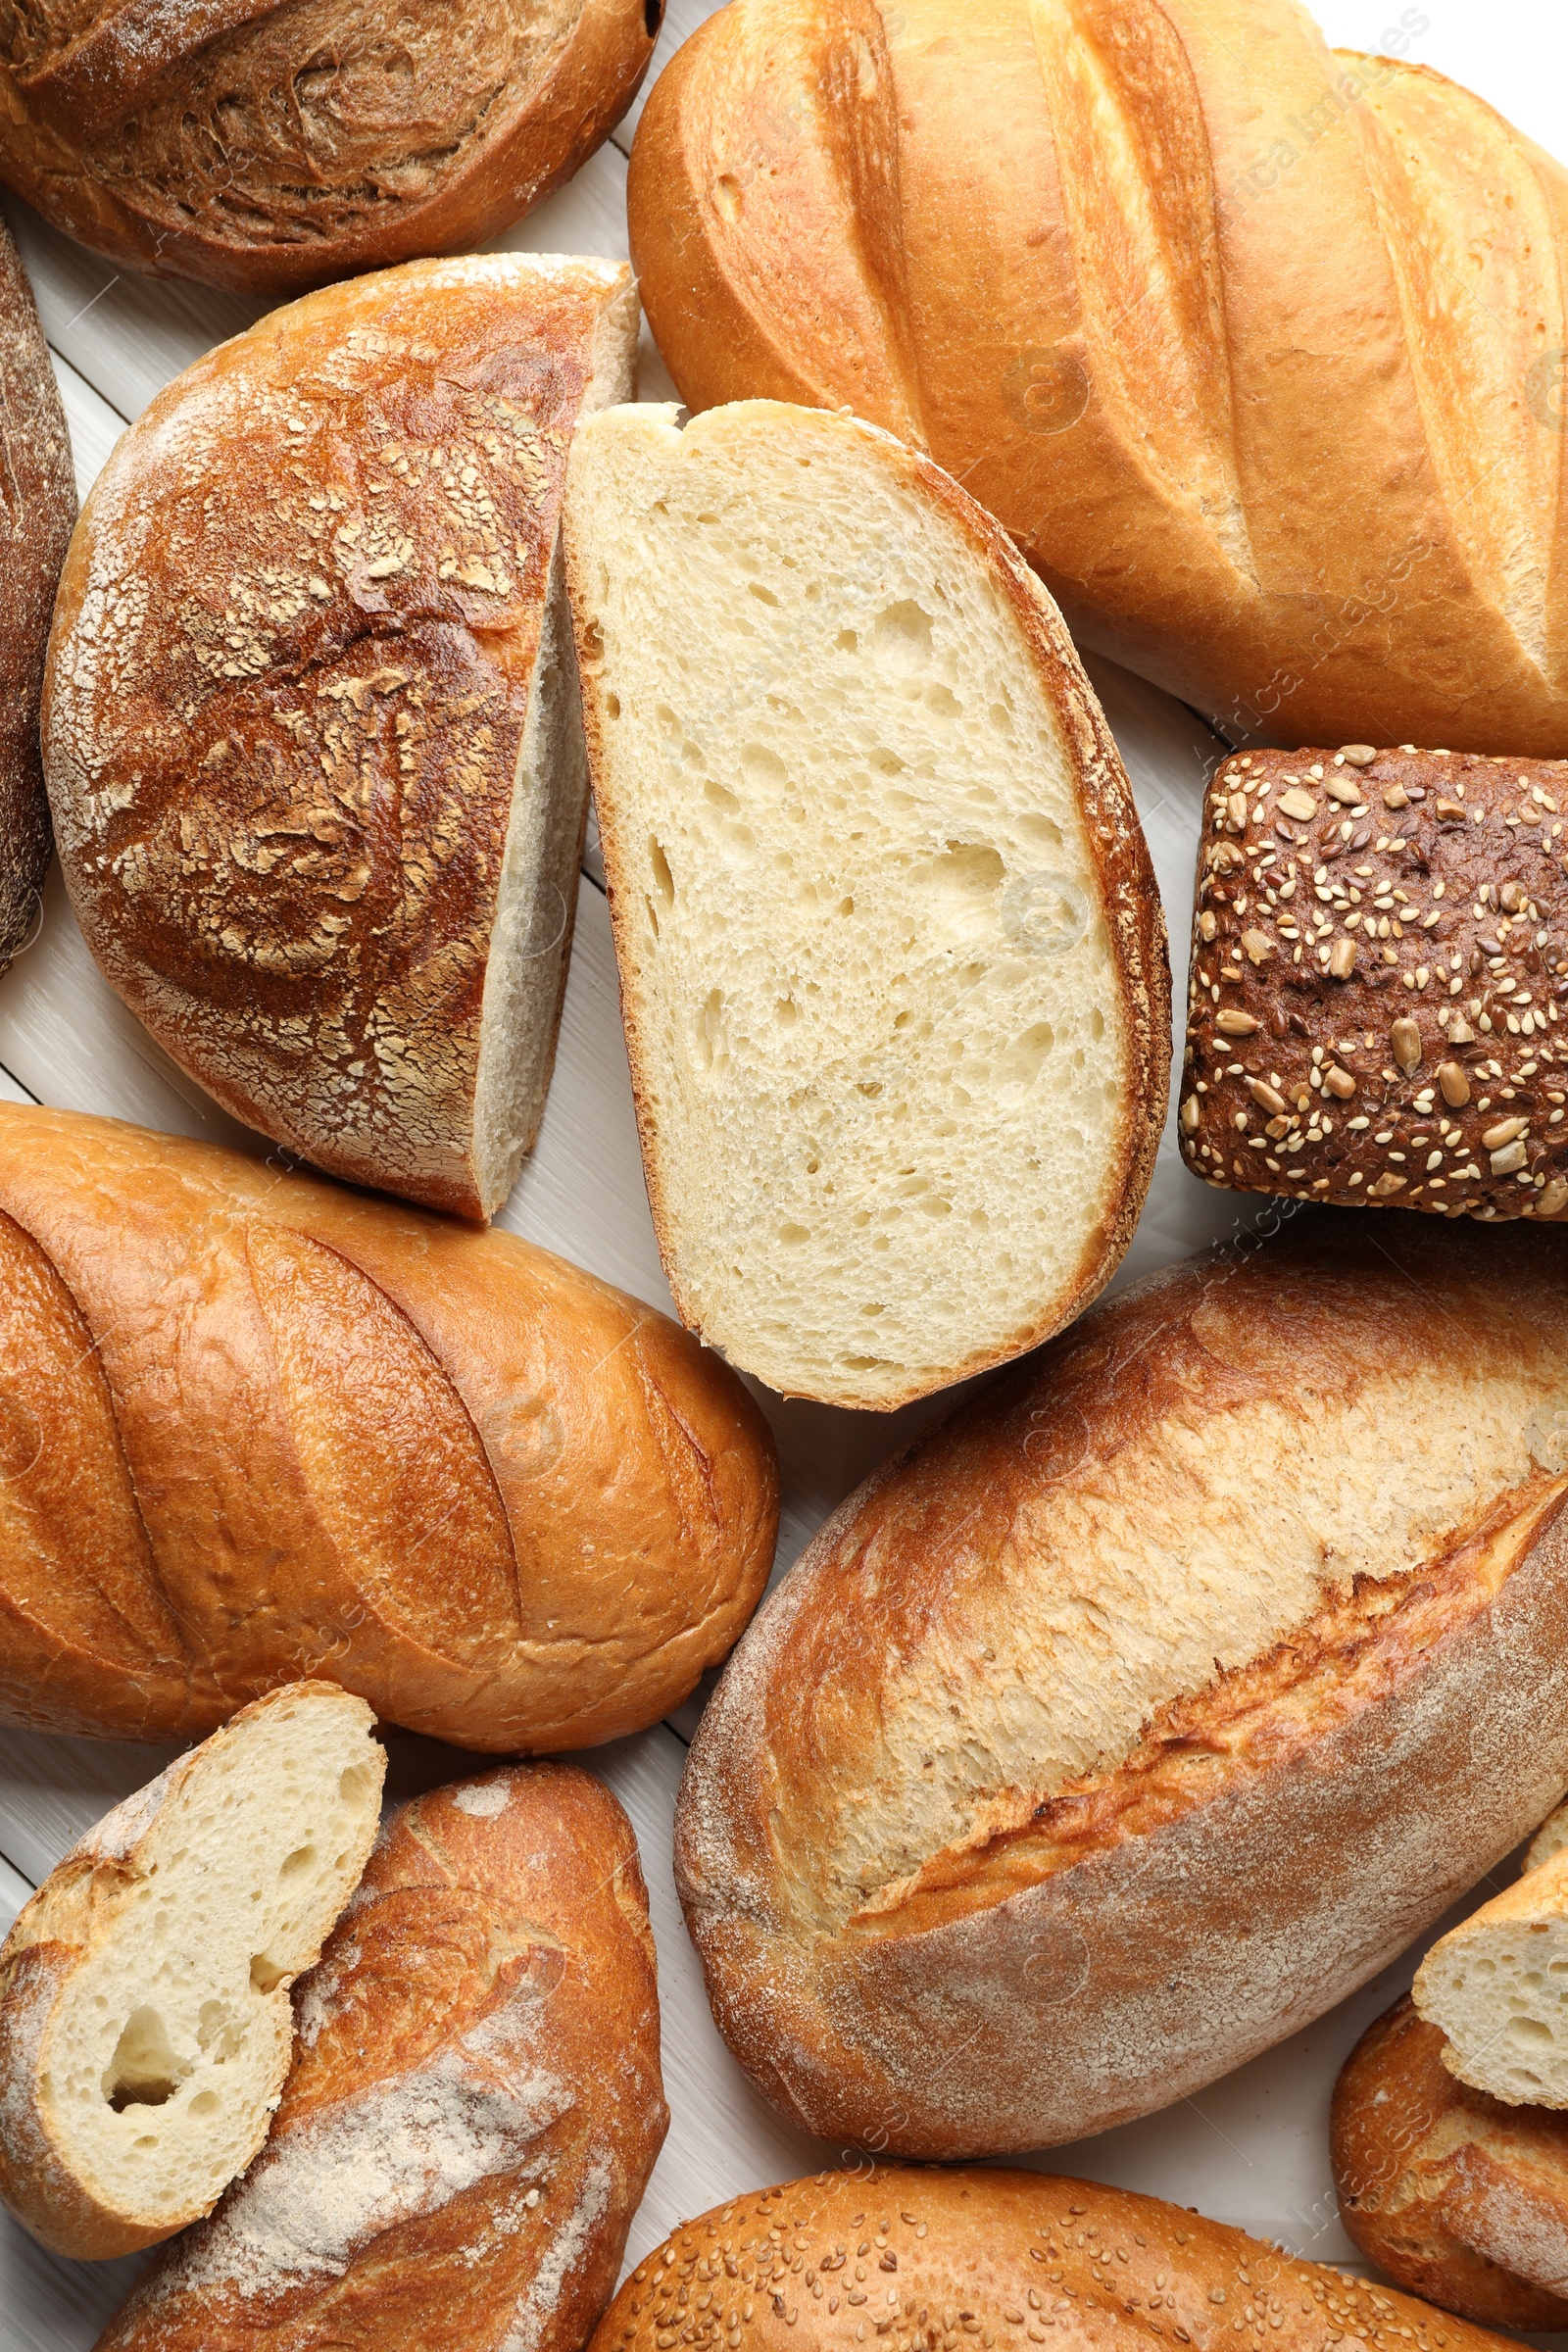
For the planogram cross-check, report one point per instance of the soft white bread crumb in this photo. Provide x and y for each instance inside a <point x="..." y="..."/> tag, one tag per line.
<point x="145" y="2024"/>
<point x="877" y="1029"/>
<point x="1550" y="1839"/>
<point x="1498" y="1987"/>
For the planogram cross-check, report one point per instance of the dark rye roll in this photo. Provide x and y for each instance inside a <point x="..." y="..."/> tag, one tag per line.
<point x="1376" y="1010"/>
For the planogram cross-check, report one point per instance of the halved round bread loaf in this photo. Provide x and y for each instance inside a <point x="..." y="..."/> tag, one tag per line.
<point x="145" y="2024"/>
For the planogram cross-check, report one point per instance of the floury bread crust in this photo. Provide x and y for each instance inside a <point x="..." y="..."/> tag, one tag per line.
<point x="255" y="1427"/>
<point x="964" y="2262"/>
<point x="1152" y="1703"/>
<point x="892" y="959"/>
<point x="312" y="729"/>
<point x="475" y="2105"/>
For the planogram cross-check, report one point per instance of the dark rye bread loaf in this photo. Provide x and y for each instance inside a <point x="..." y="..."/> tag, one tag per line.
<point x="1380" y="962"/>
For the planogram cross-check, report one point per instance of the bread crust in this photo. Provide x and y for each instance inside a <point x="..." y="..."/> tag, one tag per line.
<point x="1456" y="2196"/>
<point x="1130" y="904"/>
<point x="399" y="140"/>
<point x="37" y="506"/>
<point x="1072" y="254"/>
<point x="475" y="2105"/>
<point x="992" y="2258"/>
<point x="987" y="1959"/>
<point x="254" y="1386"/>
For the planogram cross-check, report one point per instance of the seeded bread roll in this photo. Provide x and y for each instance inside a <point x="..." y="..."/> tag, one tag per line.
<point x="1380" y="955"/>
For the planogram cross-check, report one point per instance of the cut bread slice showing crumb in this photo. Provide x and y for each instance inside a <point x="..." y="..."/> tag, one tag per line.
<point x="1498" y="1987"/>
<point x="892" y="960"/>
<point x="145" y="2022"/>
<point x="1550" y="1839"/>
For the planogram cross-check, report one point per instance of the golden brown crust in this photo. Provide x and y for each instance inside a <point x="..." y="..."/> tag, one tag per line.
<point x="931" y="2261"/>
<point x="475" y="2105"/>
<point x="1072" y="254"/>
<point x="281" y="1380"/>
<point x="271" y="148"/>
<point x="1097" y="1542"/>
<point x="1454" y="2195"/>
<point x="1379" y="947"/>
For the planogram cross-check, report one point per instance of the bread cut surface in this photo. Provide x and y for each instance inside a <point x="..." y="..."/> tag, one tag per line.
<point x="891" y="956"/>
<point x="145" y="2026"/>
<point x="312" y="730"/>
<point x="1497" y="1986"/>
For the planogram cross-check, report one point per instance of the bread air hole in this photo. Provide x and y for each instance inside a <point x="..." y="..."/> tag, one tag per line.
<point x="144" y="2071"/>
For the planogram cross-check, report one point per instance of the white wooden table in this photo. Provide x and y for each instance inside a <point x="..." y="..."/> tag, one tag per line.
<point x="1253" y="2149"/>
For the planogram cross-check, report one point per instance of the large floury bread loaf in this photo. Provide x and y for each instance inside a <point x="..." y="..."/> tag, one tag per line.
<point x="255" y="1427"/>
<point x="932" y="2261"/>
<point x="37" y="504"/>
<point x="892" y="959"/>
<point x="1154" y="1702"/>
<point x="474" y="2108"/>
<point x="256" y="144"/>
<point x="145" y="2027"/>
<point x="311" y="727"/>
<point x="1256" y="349"/>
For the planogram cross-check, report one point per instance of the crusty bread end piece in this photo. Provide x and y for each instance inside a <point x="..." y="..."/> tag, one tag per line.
<point x="891" y="952"/>
<point x="145" y="2024"/>
<point x="1498" y="1987"/>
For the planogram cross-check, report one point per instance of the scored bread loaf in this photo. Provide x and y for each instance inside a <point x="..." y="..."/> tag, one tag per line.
<point x="37" y="504"/>
<point x="1497" y="1988"/>
<point x="1456" y="2196"/>
<point x="312" y="729"/>
<point x="253" y="144"/>
<point x="254" y="1427"/>
<point x="928" y="2262"/>
<point x="1167" y="284"/>
<point x="1024" y="1807"/>
<point x="1379" y="959"/>
<point x="892" y="959"/>
<point x="145" y="2026"/>
<point x="474" y="2108"/>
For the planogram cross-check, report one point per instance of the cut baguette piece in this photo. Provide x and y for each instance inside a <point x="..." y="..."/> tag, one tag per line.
<point x="145" y="2022"/>
<point x="892" y="960"/>
<point x="1550" y="1839"/>
<point x="1498" y="1987"/>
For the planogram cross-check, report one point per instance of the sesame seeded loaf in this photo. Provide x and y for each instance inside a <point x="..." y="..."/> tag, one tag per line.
<point x="1152" y="1703"/>
<point x="966" y="2261"/>
<point x="1380" y="962"/>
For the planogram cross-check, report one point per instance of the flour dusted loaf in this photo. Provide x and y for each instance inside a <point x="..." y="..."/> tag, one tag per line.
<point x="271" y="147"/>
<point x="892" y="960"/>
<point x="312" y="730"/>
<point x="1379" y="971"/>
<point x="923" y="2259"/>
<point x="474" y="2108"/>
<point x="1455" y="2195"/>
<point x="255" y="1427"/>
<point x="145" y="2026"/>
<point x="1256" y="347"/>
<point x="1154" y="1700"/>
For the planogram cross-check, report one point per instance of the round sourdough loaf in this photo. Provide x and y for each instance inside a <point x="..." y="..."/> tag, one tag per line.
<point x="271" y="145"/>
<point x="1153" y="1701"/>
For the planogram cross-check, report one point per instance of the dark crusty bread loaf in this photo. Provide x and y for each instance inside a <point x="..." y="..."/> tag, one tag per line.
<point x="969" y="2260"/>
<point x="1379" y="965"/>
<point x="38" y="504"/>
<point x="269" y="146"/>
<point x="476" y="2103"/>
<point x="1028" y="1803"/>
<point x="1455" y="2195"/>
<point x="255" y="1427"/>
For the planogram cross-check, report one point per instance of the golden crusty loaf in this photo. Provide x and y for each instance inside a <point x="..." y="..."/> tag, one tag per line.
<point x="255" y="1427"/>
<point x="1380" y="960"/>
<point x="269" y="146"/>
<point x="312" y="728"/>
<point x="1459" y="2197"/>
<point x="145" y="2027"/>
<point x="932" y="2261"/>
<point x="1176" y="293"/>
<point x="1024" y="1807"/>
<point x="37" y="504"/>
<point x="476" y="2103"/>
<point x="892" y="957"/>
